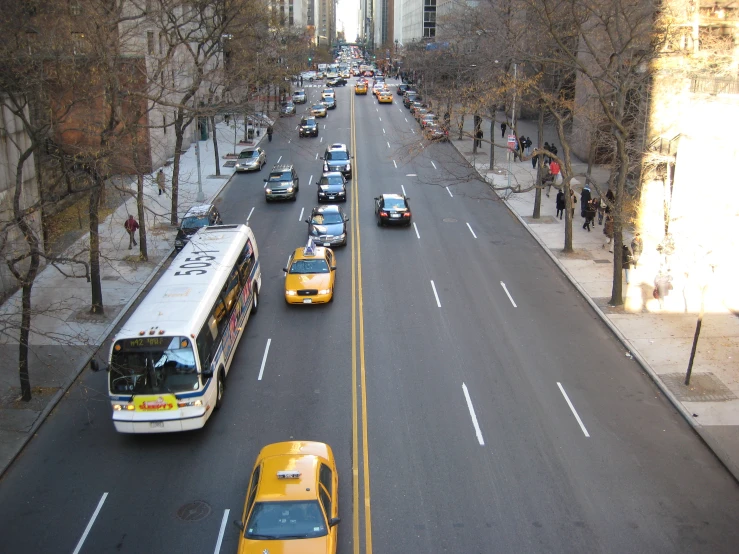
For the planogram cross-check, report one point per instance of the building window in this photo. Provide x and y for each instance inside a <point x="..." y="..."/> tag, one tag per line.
<point x="78" y="42"/>
<point x="75" y="8"/>
<point x="150" y="44"/>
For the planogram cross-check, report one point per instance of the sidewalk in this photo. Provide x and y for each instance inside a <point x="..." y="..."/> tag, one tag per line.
<point x="660" y="339"/>
<point x="64" y="335"/>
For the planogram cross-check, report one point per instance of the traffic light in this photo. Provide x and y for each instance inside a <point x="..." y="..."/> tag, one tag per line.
<point x="310" y="60"/>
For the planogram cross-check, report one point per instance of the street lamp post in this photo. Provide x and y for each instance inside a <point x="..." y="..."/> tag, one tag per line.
<point x="513" y="125"/>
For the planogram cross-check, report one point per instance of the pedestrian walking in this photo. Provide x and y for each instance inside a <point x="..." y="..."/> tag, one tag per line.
<point x="502" y="129"/>
<point x="301" y="80"/>
<point x="662" y="286"/>
<point x="555" y="171"/>
<point x="560" y="203"/>
<point x="527" y="144"/>
<point x="547" y="177"/>
<point x="608" y="232"/>
<point x="637" y="245"/>
<point x="590" y="210"/>
<point x="131" y="226"/>
<point x="478" y="138"/>
<point x="534" y="161"/>
<point x="270" y="130"/>
<point x="521" y="147"/>
<point x="553" y="149"/>
<point x="160" y="182"/>
<point x="585" y="197"/>
<point x="601" y="210"/>
<point x="573" y="200"/>
<point x="626" y="261"/>
<point x="548" y="149"/>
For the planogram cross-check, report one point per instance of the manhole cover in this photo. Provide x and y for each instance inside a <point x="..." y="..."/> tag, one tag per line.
<point x="194" y="511"/>
<point x="449" y="220"/>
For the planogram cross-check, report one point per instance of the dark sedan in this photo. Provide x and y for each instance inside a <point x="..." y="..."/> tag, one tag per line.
<point x="337" y="82"/>
<point x="392" y="209"/>
<point x="327" y="226"/>
<point x="332" y="187"/>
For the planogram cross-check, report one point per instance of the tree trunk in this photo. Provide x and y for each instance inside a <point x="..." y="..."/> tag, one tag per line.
<point x="540" y="139"/>
<point x="143" y="251"/>
<point x="25" y="331"/>
<point x="215" y="144"/>
<point x="568" y="215"/>
<point x="96" y="306"/>
<point x="492" y="140"/>
<point x="179" y="139"/>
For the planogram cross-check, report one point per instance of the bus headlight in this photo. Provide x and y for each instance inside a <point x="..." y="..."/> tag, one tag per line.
<point x="193" y="403"/>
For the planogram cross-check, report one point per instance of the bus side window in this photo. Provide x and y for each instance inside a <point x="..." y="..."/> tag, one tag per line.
<point x="205" y="342"/>
<point x="231" y="290"/>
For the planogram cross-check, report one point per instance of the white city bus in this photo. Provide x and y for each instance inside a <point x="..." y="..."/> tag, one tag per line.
<point x="168" y="363"/>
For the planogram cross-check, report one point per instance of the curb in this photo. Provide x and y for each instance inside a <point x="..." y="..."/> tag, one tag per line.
<point x="75" y="375"/>
<point x="718" y="451"/>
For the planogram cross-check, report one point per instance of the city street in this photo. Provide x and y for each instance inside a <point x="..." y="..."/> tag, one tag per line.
<point x="479" y="401"/>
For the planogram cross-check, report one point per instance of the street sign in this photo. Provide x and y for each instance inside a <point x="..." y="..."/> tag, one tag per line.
<point x="512" y="142"/>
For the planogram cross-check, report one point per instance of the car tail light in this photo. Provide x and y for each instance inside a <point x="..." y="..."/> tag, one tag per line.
<point x="407" y="214"/>
<point x="382" y="213"/>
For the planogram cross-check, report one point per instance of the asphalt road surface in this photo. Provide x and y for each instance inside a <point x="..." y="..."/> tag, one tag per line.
<point x="480" y="403"/>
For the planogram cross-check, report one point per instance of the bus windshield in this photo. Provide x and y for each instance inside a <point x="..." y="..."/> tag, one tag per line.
<point x="153" y="365"/>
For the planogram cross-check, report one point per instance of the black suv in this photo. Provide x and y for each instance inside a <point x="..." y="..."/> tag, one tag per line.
<point x="202" y="215"/>
<point x="282" y="183"/>
<point x="308" y="127"/>
<point x="337" y="158"/>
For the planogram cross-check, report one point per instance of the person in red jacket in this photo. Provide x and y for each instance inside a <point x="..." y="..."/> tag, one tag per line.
<point x="131" y="226"/>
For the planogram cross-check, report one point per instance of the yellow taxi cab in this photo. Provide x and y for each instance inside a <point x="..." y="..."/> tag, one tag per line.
<point x="385" y="97"/>
<point x="292" y="503"/>
<point x="360" y="88"/>
<point x="310" y="275"/>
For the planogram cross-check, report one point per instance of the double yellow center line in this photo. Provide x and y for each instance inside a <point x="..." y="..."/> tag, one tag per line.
<point x="358" y="355"/>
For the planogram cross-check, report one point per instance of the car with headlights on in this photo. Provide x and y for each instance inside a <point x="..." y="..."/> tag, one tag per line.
<point x="251" y="159"/>
<point x="308" y="127"/>
<point x="331" y="187"/>
<point x="310" y="275"/>
<point x="292" y="501"/>
<point x="318" y="110"/>
<point x="392" y="209"/>
<point x="282" y="184"/>
<point x="338" y="158"/>
<point x="327" y="225"/>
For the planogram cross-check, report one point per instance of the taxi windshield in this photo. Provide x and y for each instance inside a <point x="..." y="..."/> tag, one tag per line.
<point x="302" y="267"/>
<point x="153" y="365"/>
<point x="319" y="107"/>
<point x="286" y="520"/>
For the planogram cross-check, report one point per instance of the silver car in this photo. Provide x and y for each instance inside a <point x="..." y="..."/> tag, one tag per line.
<point x="251" y="159"/>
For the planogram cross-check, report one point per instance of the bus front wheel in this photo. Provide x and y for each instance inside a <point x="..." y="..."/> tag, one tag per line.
<point x="255" y="300"/>
<point x="220" y="389"/>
